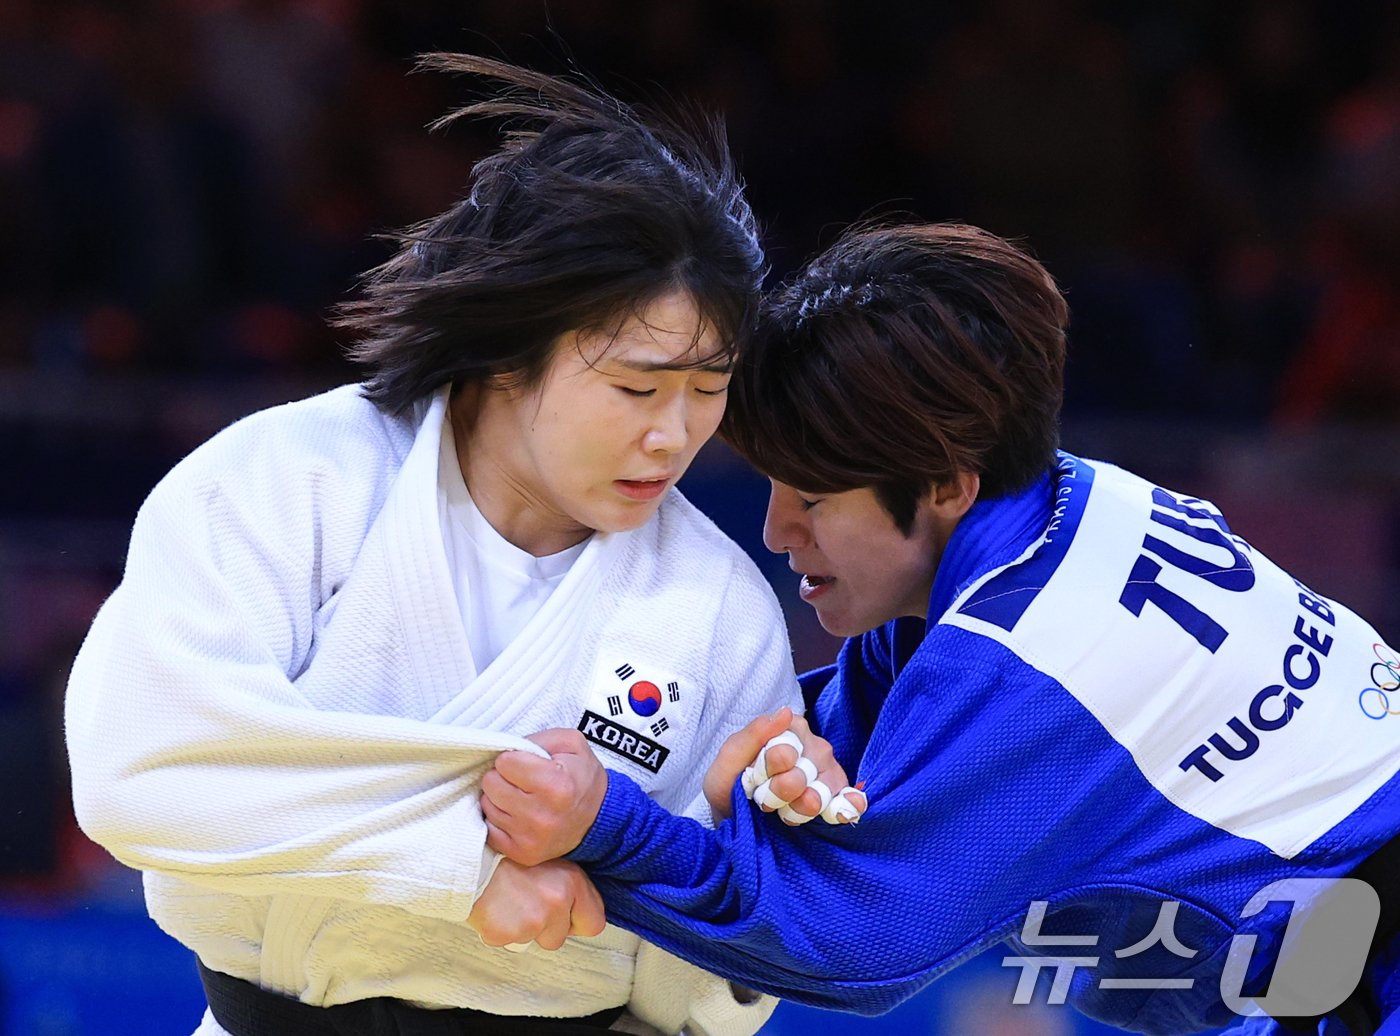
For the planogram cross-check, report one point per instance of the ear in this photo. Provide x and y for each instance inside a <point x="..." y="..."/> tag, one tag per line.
<point x="952" y="499"/>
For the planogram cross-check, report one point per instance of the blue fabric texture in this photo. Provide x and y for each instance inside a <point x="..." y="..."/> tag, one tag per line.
<point x="991" y="787"/>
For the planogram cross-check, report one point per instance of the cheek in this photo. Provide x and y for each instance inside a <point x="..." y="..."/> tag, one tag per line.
<point x="584" y="426"/>
<point x="707" y="417"/>
<point x="870" y="566"/>
<point x="833" y="552"/>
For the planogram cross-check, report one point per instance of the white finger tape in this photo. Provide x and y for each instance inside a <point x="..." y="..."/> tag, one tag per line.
<point x="760" y="767"/>
<point x="841" y="810"/>
<point x="751" y="781"/>
<point x="808" y="768"/>
<point x="788" y="738"/>
<point x="793" y="817"/>
<point x="823" y="793"/>
<point x="765" y="796"/>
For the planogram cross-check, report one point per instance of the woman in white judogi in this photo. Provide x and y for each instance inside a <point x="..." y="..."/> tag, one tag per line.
<point x="335" y="613"/>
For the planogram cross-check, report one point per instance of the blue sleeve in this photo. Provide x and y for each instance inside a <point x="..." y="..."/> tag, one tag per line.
<point x="990" y="788"/>
<point x="852" y="918"/>
<point x="794" y="915"/>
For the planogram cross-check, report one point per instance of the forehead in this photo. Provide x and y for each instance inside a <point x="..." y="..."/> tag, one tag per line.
<point x="665" y="333"/>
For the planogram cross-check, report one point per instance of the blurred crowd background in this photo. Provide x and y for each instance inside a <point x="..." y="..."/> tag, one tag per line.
<point x="186" y="186"/>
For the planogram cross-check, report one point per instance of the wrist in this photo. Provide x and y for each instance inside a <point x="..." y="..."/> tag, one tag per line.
<point x="616" y="811"/>
<point x="598" y="793"/>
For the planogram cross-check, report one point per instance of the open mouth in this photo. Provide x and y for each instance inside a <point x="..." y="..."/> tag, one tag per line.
<point x="813" y="586"/>
<point x="642" y="489"/>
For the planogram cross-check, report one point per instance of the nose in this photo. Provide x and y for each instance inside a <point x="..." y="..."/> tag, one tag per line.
<point x="785" y="524"/>
<point x="668" y="432"/>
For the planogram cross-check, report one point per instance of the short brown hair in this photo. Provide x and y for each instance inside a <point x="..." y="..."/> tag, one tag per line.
<point x="904" y="356"/>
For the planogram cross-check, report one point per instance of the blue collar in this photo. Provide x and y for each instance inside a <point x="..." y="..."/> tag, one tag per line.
<point x="993" y="533"/>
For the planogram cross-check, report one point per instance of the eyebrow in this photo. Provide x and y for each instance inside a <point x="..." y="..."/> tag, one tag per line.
<point x="648" y="367"/>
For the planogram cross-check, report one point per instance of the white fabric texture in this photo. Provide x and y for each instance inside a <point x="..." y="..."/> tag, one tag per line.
<point x="278" y="718"/>
<point x="498" y="586"/>
<point x="679" y="997"/>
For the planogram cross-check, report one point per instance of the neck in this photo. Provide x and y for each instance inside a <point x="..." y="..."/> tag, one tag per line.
<point x="935" y="535"/>
<point x="495" y="475"/>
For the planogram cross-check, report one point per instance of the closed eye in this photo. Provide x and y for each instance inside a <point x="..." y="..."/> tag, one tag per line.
<point x="713" y="392"/>
<point x="640" y="393"/>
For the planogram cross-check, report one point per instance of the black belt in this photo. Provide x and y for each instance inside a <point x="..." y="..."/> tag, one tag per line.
<point x="245" y="1010"/>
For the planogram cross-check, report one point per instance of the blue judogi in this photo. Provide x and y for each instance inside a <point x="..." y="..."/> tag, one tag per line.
<point x="1116" y="708"/>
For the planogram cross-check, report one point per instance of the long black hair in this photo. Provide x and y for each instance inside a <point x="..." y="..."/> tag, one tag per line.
<point x="586" y="212"/>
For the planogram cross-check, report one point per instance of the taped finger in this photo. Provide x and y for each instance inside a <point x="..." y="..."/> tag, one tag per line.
<point x="790" y="816"/>
<point x="766" y="798"/>
<point x="842" y="810"/>
<point x="823" y="793"/>
<point x="808" y="768"/>
<point x="788" y="738"/>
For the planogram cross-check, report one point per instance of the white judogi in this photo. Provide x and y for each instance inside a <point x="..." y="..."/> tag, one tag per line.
<point x="499" y="587"/>
<point x="278" y="718"/>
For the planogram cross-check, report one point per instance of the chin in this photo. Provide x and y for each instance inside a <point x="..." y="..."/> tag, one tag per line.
<point x="836" y="627"/>
<point x="846" y="626"/>
<point x="626" y="519"/>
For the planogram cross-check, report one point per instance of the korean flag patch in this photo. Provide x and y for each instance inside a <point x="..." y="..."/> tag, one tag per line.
<point x="632" y="710"/>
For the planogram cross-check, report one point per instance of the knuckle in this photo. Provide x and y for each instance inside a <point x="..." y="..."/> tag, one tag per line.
<point x="789" y="786"/>
<point x="554" y="898"/>
<point x="781" y="757"/>
<point x="526" y="854"/>
<point x="494" y="935"/>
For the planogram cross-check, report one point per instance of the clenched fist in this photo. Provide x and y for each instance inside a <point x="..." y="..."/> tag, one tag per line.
<point x="544" y="905"/>
<point x="540" y="809"/>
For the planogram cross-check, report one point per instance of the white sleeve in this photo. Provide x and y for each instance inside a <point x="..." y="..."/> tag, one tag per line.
<point x="194" y="754"/>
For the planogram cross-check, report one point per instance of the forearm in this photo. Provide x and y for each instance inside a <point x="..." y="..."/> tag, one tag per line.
<point x="195" y="751"/>
<point x="210" y="771"/>
<point x="773" y="908"/>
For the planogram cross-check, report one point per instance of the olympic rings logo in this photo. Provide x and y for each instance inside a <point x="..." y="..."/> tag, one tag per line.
<point x="1385" y="674"/>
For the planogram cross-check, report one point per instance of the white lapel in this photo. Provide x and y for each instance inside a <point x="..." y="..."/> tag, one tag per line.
<point x="421" y="585"/>
<point x="533" y="662"/>
<point x="451" y="689"/>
